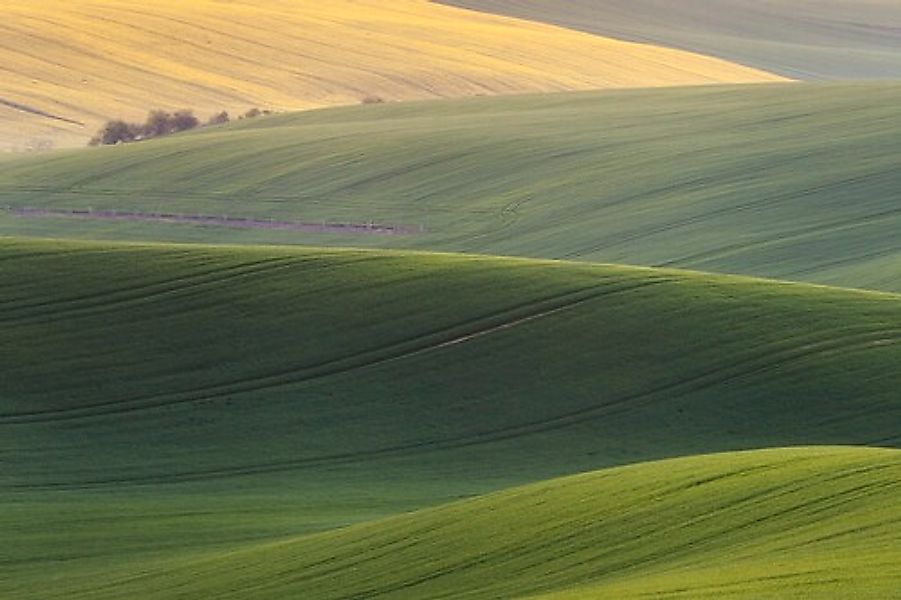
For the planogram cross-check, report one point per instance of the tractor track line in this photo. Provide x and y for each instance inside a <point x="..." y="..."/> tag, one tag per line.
<point x="365" y="359"/>
<point x="677" y="389"/>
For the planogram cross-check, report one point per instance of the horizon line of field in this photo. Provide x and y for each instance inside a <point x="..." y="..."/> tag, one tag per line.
<point x="223" y="220"/>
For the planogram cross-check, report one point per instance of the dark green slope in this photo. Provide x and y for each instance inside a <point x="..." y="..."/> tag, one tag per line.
<point x="803" y="39"/>
<point x="162" y="401"/>
<point x="795" y="182"/>
<point x="296" y="359"/>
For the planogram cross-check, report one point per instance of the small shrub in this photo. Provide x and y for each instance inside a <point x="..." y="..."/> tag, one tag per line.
<point x="219" y="119"/>
<point x="183" y="120"/>
<point x="373" y="100"/>
<point x="158" y="123"/>
<point x="116" y="132"/>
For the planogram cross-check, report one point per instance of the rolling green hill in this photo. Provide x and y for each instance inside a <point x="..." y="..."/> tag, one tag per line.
<point x="166" y="403"/>
<point x="394" y="349"/>
<point x="788" y="181"/>
<point x="803" y="523"/>
<point x="804" y="39"/>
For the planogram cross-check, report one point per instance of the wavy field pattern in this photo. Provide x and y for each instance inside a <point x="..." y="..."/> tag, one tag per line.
<point x="438" y="338"/>
<point x="728" y="179"/>
<point x="66" y="62"/>
<point x="812" y="523"/>
<point x="336" y="386"/>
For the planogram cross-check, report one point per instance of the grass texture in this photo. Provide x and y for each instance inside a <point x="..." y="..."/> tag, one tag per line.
<point x="798" y="523"/>
<point x="802" y="39"/>
<point x="68" y="66"/>
<point x="788" y="181"/>
<point x="165" y="404"/>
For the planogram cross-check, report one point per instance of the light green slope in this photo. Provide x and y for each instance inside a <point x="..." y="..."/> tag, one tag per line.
<point x="801" y="523"/>
<point x="794" y="182"/>
<point x="162" y="401"/>
<point x="803" y="39"/>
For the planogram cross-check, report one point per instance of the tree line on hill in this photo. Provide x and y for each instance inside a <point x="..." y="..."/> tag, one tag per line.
<point x="160" y="123"/>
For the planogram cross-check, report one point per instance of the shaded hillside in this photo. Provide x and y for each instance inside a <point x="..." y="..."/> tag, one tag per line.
<point x="419" y="352"/>
<point x="803" y="39"/>
<point x="163" y="402"/>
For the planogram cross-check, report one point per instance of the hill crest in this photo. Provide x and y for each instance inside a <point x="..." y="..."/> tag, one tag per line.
<point x="88" y="61"/>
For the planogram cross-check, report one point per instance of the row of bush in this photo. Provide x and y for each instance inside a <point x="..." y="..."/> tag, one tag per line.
<point x="160" y="123"/>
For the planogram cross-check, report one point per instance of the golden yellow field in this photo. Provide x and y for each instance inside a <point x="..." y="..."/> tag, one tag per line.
<point x="91" y="60"/>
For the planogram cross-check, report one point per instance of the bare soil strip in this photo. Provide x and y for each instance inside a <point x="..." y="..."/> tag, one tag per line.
<point x="219" y="221"/>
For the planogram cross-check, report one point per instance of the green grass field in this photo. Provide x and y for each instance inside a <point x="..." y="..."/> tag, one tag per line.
<point x="395" y="350"/>
<point x="178" y="420"/>
<point x="803" y="39"/>
<point x="753" y="180"/>
<point x="802" y="523"/>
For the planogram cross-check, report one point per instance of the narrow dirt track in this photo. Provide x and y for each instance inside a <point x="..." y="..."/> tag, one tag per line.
<point x="218" y="221"/>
